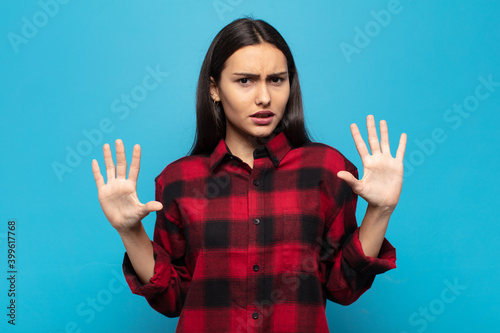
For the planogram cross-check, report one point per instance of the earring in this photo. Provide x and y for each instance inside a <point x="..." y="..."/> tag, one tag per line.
<point x="216" y="103"/>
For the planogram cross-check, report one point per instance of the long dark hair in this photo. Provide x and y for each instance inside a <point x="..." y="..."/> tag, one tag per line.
<point x="210" y="119"/>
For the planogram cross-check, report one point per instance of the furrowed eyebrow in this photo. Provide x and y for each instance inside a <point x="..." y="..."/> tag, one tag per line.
<point x="257" y="75"/>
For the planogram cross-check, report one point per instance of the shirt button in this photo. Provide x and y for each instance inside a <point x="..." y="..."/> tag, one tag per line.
<point x="255" y="268"/>
<point x="256" y="221"/>
<point x="256" y="182"/>
<point x="255" y="315"/>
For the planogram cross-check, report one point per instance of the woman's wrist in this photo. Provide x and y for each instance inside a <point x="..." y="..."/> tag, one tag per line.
<point x="133" y="232"/>
<point x="380" y="212"/>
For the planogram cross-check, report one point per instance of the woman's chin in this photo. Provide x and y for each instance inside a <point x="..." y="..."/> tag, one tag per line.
<point x="262" y="138"/>
<point x="264" y="132"/>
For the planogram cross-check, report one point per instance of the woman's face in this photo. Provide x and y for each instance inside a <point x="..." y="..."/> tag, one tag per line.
<point x="254" y="90"/>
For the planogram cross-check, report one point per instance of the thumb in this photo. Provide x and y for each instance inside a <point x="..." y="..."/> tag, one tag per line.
<point x="152" y="206"/>
<point x="348" y="178"/>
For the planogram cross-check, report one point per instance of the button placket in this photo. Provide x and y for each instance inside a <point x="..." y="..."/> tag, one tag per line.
<point x="254" y="211"/>
<point x="256" y="221"/>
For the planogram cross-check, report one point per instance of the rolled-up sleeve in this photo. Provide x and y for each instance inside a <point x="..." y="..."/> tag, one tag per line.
<point x="354" y="256"/>
<point x="160" y="280"/>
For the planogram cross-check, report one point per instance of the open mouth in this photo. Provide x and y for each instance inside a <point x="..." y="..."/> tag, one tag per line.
<point x="262" y="118"/>
<point x="262" y="114"/>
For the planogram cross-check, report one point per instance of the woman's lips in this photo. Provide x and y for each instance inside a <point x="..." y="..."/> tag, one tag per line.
<point x="262" y="117"/>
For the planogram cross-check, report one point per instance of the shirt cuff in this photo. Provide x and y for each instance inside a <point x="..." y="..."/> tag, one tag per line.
<point x="160" y="280"/>
<point x="355" y="257"/>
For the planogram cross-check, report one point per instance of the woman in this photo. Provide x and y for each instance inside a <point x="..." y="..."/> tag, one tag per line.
<point x="256" y="228"/>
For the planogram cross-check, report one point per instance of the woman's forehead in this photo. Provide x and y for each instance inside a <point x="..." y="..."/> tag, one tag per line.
<point x="259" y="58"/>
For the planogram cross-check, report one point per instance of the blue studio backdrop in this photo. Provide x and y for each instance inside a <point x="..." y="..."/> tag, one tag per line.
<point x="77" y="74"/>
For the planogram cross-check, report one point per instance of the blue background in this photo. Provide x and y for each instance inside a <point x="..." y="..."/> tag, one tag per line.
<point x="63" y="79"/>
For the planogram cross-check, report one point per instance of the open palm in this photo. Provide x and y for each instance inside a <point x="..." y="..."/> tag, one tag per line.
<point x="382" y="174"/>
<point x="118" y="197"/>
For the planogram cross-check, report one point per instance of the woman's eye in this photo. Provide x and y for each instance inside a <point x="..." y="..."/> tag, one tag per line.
<point x="277" y="80"/>
<point x="244" y="80"/>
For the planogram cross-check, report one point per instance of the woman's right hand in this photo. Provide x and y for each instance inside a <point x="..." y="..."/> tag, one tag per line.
<point x="118" y="197"/>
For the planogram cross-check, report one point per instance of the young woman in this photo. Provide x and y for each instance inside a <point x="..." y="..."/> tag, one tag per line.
<point x="256" y="228"/>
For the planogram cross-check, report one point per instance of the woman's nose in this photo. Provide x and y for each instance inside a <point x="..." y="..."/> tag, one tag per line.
<point x="263" y="97"/>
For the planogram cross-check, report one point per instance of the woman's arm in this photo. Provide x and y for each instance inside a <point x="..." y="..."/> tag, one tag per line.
<point x="381" y="183"/>
<point x="372" y="230"/>
<point x="140" y="252"/>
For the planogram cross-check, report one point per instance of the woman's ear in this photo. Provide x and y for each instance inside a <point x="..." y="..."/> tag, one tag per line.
<point x="214" y="90"/>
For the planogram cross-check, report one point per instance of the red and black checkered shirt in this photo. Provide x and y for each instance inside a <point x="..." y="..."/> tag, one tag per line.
<point x="257" y="250"/>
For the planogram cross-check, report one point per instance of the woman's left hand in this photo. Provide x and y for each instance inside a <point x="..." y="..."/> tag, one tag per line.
<point x="382" y="174"/>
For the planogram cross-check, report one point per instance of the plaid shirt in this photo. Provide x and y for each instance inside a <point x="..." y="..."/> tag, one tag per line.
<point x="257" y="250"/>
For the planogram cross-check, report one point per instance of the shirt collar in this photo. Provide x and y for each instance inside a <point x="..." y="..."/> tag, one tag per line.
<point x="277" y="148"/>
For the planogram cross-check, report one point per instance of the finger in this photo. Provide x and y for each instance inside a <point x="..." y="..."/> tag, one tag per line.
<point x="99" y="180"/>
<point x="349" y="179"/>
<point x="135" y="165"/>
<point x="358" y="141"/>
<point x="121" y="161"/>
<point x="372" y="134"/>
<point x="400" y="153"/>
<point x="384" y="138"/>
<point x="153" y="206"/>
<point x="108" y="160"/>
